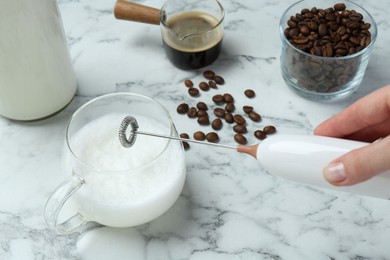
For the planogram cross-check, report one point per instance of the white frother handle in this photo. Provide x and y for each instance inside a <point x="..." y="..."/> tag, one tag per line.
<point x="302" y="158"/>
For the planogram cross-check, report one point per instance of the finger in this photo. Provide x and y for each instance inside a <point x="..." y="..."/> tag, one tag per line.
<point x="371" y="133"/>
<point x="360" y="164"/>
<point x="370" y="110"/>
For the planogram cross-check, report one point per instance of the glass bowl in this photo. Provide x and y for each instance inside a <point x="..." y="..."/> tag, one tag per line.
<point x="314" y="68"/>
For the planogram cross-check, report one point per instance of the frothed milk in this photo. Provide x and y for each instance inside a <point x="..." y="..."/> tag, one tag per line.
<point x="132" y="185"/>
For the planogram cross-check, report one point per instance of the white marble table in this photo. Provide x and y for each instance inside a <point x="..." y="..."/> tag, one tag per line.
<point x="230" y="208"/>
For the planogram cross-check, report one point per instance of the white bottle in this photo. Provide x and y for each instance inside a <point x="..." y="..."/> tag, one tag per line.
<point x="36" y="74"/>
<point x="302" y="158"/>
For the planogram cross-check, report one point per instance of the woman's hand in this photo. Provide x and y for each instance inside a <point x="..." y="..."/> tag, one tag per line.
<point x="368" y="120"/>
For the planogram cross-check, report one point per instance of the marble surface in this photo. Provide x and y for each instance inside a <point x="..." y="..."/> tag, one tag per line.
<point x="230" y="207"/>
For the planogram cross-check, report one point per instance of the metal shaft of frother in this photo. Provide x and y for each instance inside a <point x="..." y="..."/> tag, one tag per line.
<point x="130" y="140"/>
<point x="132" y="122"/>
<point x="185" y="140"/>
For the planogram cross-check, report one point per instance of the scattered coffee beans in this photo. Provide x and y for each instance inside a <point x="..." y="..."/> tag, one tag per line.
<point x="200" y="136"/>
<point x="239" y="119"/>
<point x="182" y="108"/>
<point x="192" y="112"/>
<point x="208" y="74"/>
<point x="241" y="129"/>
<point x="270" y="129"/>
<point x="219" y="80"/>
<point x="184" y="135"/>
<point x="254" y="116"/>
<point x="188" y="83"/>
<point x="249" y="93"/>
<point x="219" y="112"/>
<point x="218" y="99"/>
<point x="204" y="86"/>
<point x="229" y="118"/>
<point x="212" y="137"/>
<point x="247" y="109"/>
<point x="204" y="120"/>
<point x="200" y="111"/>
<point x="193" y="92"/>
<point x="201" y="106"/>
<point x="186" y="145"/>
<point x="216" y="124"/>
<point x="239" y="138"/>
<point x="228" y="98"/>
<point x="212" y="84"/>
<point x="260" y="134"/>
<point x="230" y="107"/>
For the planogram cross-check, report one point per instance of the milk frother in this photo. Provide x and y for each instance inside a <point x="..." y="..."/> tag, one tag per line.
<point x="300" y="158"/>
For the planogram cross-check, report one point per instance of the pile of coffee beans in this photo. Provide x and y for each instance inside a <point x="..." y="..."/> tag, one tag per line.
<point x="332" y="32"/>
<point x="224" y="112"/>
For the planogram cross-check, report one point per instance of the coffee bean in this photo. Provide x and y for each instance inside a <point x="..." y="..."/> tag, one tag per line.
<point x="193" y="91"/>
<point x="204" y="120"/>
<point x="200" y="136"/>
<point x="201" y="105"/>
<point x="254" y="116"/>
<point x="249" y="93"/>
<point x="228" y="98"/>
<point x="218" y="99"/>
<point x="241" y="129"/>
<point x="339" y="7"/>
<point x="204" y="86"/>
<point x="216" y="124"/>
<point x="354" y="40"/>
<point x="182" y="108"/>
<point x="188" y="83"/>
<point x="219" y="80"/>
<point x="260" y="134"/>
<point x="322" y="30"/>
<point x="291" y="24"/>
<point x="229" y="118"/>
<point x="208" y="74"/>
<point x="239" y="119"/>
<point x="212" y="137"/>
<point x="184" y="135"/>
<point x="239" y="138"/>
<point x="270" y="129"/>
<point x="212" y="84"/>
<point x="357" y="17"/>
<point x="230" y="107"/>
<point x="186" y="145"/>
<point x="192" y="112"/>
<point x="219" y="112"/>
<point x="247" y="109"/>
<point x="304" y="29"/>
<point x="202" y="113"/>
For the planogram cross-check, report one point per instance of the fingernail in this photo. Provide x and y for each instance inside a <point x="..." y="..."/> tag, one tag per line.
<point x="335" y="172"/>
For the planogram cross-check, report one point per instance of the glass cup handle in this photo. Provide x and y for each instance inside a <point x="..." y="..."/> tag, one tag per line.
<point x="55" y="203"/>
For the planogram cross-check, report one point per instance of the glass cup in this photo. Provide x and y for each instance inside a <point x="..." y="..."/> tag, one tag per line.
<point x="192" y="32"/>
<point x="321" y="78"/>
<point x="108" y="183"/>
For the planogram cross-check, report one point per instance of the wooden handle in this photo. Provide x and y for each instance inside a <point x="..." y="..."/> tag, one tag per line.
<point x="125" y="10"/>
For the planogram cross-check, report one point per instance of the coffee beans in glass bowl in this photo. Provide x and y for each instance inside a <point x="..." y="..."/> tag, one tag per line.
<point x="325" y="48"/>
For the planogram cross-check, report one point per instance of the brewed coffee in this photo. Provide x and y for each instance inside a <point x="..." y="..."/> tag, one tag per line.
<point x="196" y="41"/>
